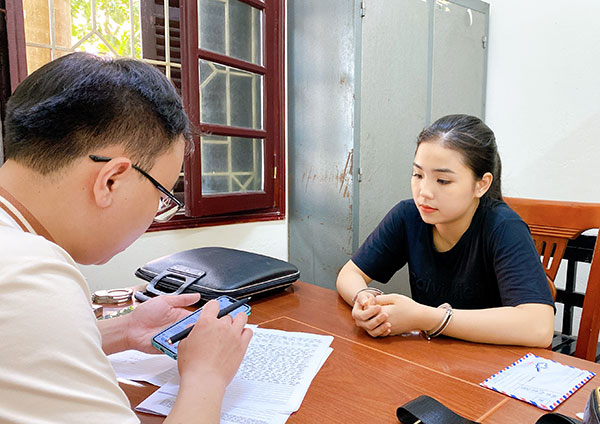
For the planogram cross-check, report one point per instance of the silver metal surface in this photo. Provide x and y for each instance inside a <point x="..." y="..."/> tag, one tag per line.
<point x="393" y="109"/>
<point x="321" y="84"/>
<point x="458" y="60"/>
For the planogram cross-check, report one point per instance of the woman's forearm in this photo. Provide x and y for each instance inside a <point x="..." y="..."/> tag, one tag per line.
<point x="530" y="324"/>
<point x="350" y="280"/>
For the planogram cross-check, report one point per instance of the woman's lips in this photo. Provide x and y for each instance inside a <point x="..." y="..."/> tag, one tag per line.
<point x="427" y="209"/>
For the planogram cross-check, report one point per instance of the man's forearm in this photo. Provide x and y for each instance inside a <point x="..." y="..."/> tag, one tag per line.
<point x="114" y="334"/>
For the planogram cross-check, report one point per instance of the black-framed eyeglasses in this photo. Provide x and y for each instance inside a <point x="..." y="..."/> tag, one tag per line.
<point x="169" y="204"/>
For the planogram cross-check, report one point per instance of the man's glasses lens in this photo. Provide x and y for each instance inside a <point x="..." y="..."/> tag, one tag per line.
<point x="167" y="208"/>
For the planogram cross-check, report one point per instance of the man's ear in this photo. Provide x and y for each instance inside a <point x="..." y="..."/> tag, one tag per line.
<point x="109" y="179"/>
<point x="483" y="185"/>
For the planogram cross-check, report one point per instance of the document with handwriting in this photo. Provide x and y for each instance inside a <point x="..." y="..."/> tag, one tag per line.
<point x="539" y="381"/>
<point x="272" y="380"/>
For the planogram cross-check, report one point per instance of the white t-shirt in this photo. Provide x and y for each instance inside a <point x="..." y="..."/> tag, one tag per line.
<point x="52" y="367"/>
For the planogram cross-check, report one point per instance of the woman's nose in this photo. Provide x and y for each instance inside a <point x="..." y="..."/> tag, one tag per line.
<point x="425" y="189"/>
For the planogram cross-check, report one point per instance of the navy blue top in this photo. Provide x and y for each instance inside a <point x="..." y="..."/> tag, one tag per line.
<point x="495" y="262"/>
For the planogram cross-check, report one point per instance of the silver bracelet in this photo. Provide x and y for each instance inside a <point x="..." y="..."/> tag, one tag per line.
<point x="373" y="289"/>
<point x="440" y="328"/>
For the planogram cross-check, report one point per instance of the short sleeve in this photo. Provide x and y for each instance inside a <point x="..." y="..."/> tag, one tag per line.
<point x="521" y="277"/>
<point x="384" y="251"/>
<point x="54" y="368"/>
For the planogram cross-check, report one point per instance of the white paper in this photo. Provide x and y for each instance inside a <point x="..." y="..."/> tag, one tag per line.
<point x="272" y="380"/>
<point x="248" y="416"/>
<point x="135" y="365"/>
<point x="163" y="400"/>
<point x="539" y="381"/>
<point x="277" y="370"/>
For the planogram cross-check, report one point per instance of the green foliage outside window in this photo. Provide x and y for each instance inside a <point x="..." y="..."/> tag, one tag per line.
<point x="114" y="21"/>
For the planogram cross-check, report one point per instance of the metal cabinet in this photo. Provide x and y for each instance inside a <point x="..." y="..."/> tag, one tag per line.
<point x="363" y="79"/>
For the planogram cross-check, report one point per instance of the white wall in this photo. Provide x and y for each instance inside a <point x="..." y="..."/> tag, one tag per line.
<point x="267" y="238"/>
<point x="543" y="103"/>
<point x="543" y="97"/>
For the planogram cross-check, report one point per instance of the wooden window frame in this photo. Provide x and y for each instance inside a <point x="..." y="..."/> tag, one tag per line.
<point x="221" y="209"/>
<point x="213" y="209"/>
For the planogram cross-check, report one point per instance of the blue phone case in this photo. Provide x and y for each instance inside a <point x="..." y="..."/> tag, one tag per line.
<point x="160" y="340"/>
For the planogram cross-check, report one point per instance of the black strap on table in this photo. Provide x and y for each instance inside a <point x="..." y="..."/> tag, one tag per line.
<point x="554" y="418"/>
<point x="427" y="410"/>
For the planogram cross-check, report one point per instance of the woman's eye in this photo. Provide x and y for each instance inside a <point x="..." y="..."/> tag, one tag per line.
<point x="417" y="175"/>
<point x="443" y="182"/>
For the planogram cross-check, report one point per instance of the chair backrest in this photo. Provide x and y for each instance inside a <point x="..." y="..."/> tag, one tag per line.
<point x="552" y="225"/>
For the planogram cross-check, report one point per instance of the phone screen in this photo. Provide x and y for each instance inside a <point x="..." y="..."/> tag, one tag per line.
<point x="160" y="340"/>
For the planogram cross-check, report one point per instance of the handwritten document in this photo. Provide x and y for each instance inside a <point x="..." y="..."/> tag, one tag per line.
<point x="539" y="381"/>
<point x="271" y="382"/>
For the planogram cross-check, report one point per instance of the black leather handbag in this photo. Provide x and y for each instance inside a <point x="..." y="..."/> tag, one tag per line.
<point x="427" y="410"/>
<point x="217" y="271"/>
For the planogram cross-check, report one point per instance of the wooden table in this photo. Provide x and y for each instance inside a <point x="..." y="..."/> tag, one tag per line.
<point x="365" y="379"/>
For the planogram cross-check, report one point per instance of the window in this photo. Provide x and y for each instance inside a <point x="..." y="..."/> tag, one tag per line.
<point x="233" y="88"/>
<point x="226" y="59"/>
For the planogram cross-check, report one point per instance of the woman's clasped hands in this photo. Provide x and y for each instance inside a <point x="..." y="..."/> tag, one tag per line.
<point x="387" y="314"/>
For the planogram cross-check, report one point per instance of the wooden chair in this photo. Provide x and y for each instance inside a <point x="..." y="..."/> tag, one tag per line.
<point x="552" y="225"/>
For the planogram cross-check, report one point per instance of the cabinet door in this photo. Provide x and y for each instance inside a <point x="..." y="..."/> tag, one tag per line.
<point x="321" y="84"/>
<point x="393" y="105"/>
<point x="459" y="58"/>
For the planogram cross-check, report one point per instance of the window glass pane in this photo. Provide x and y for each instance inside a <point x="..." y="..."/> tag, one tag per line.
<point x="231" y="28"/>
<point x="37" y="22"/>
<point x="230" y="96"/>
<point x="231" y="164"/>
<point x="128" y="28"/>
<point x="116" y="30"/>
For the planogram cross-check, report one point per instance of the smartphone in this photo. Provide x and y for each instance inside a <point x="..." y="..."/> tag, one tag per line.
<point x="160" y="340"/>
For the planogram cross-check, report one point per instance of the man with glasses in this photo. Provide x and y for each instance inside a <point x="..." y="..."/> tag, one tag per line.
<point x="168" y="205"/>
<point x="92" y="147"/>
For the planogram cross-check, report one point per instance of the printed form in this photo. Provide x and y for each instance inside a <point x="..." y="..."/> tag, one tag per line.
<point x="271" y="382"/>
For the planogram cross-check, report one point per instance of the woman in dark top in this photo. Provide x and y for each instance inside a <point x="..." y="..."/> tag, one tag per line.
<point x="474" y="271"/>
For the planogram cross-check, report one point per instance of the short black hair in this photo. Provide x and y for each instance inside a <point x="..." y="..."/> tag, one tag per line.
<point x="79" y="103"/>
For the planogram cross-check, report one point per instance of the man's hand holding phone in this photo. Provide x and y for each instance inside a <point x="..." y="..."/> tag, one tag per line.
<point x="215" y="346"/>
<point x="207" y="360"/>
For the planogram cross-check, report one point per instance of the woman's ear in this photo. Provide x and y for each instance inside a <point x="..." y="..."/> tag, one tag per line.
<point x="109" y="180"/>
<point x="483" y="185"/>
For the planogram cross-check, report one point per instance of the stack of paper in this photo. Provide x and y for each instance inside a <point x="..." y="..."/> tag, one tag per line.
<point x="271" y="382"/>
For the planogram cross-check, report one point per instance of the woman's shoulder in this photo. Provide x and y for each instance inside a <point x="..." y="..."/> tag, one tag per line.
<point x="498" y="209"/>
<point x="497" y="215"/>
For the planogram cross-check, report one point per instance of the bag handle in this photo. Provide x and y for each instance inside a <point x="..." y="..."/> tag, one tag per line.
<point x="189" y="275"/>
